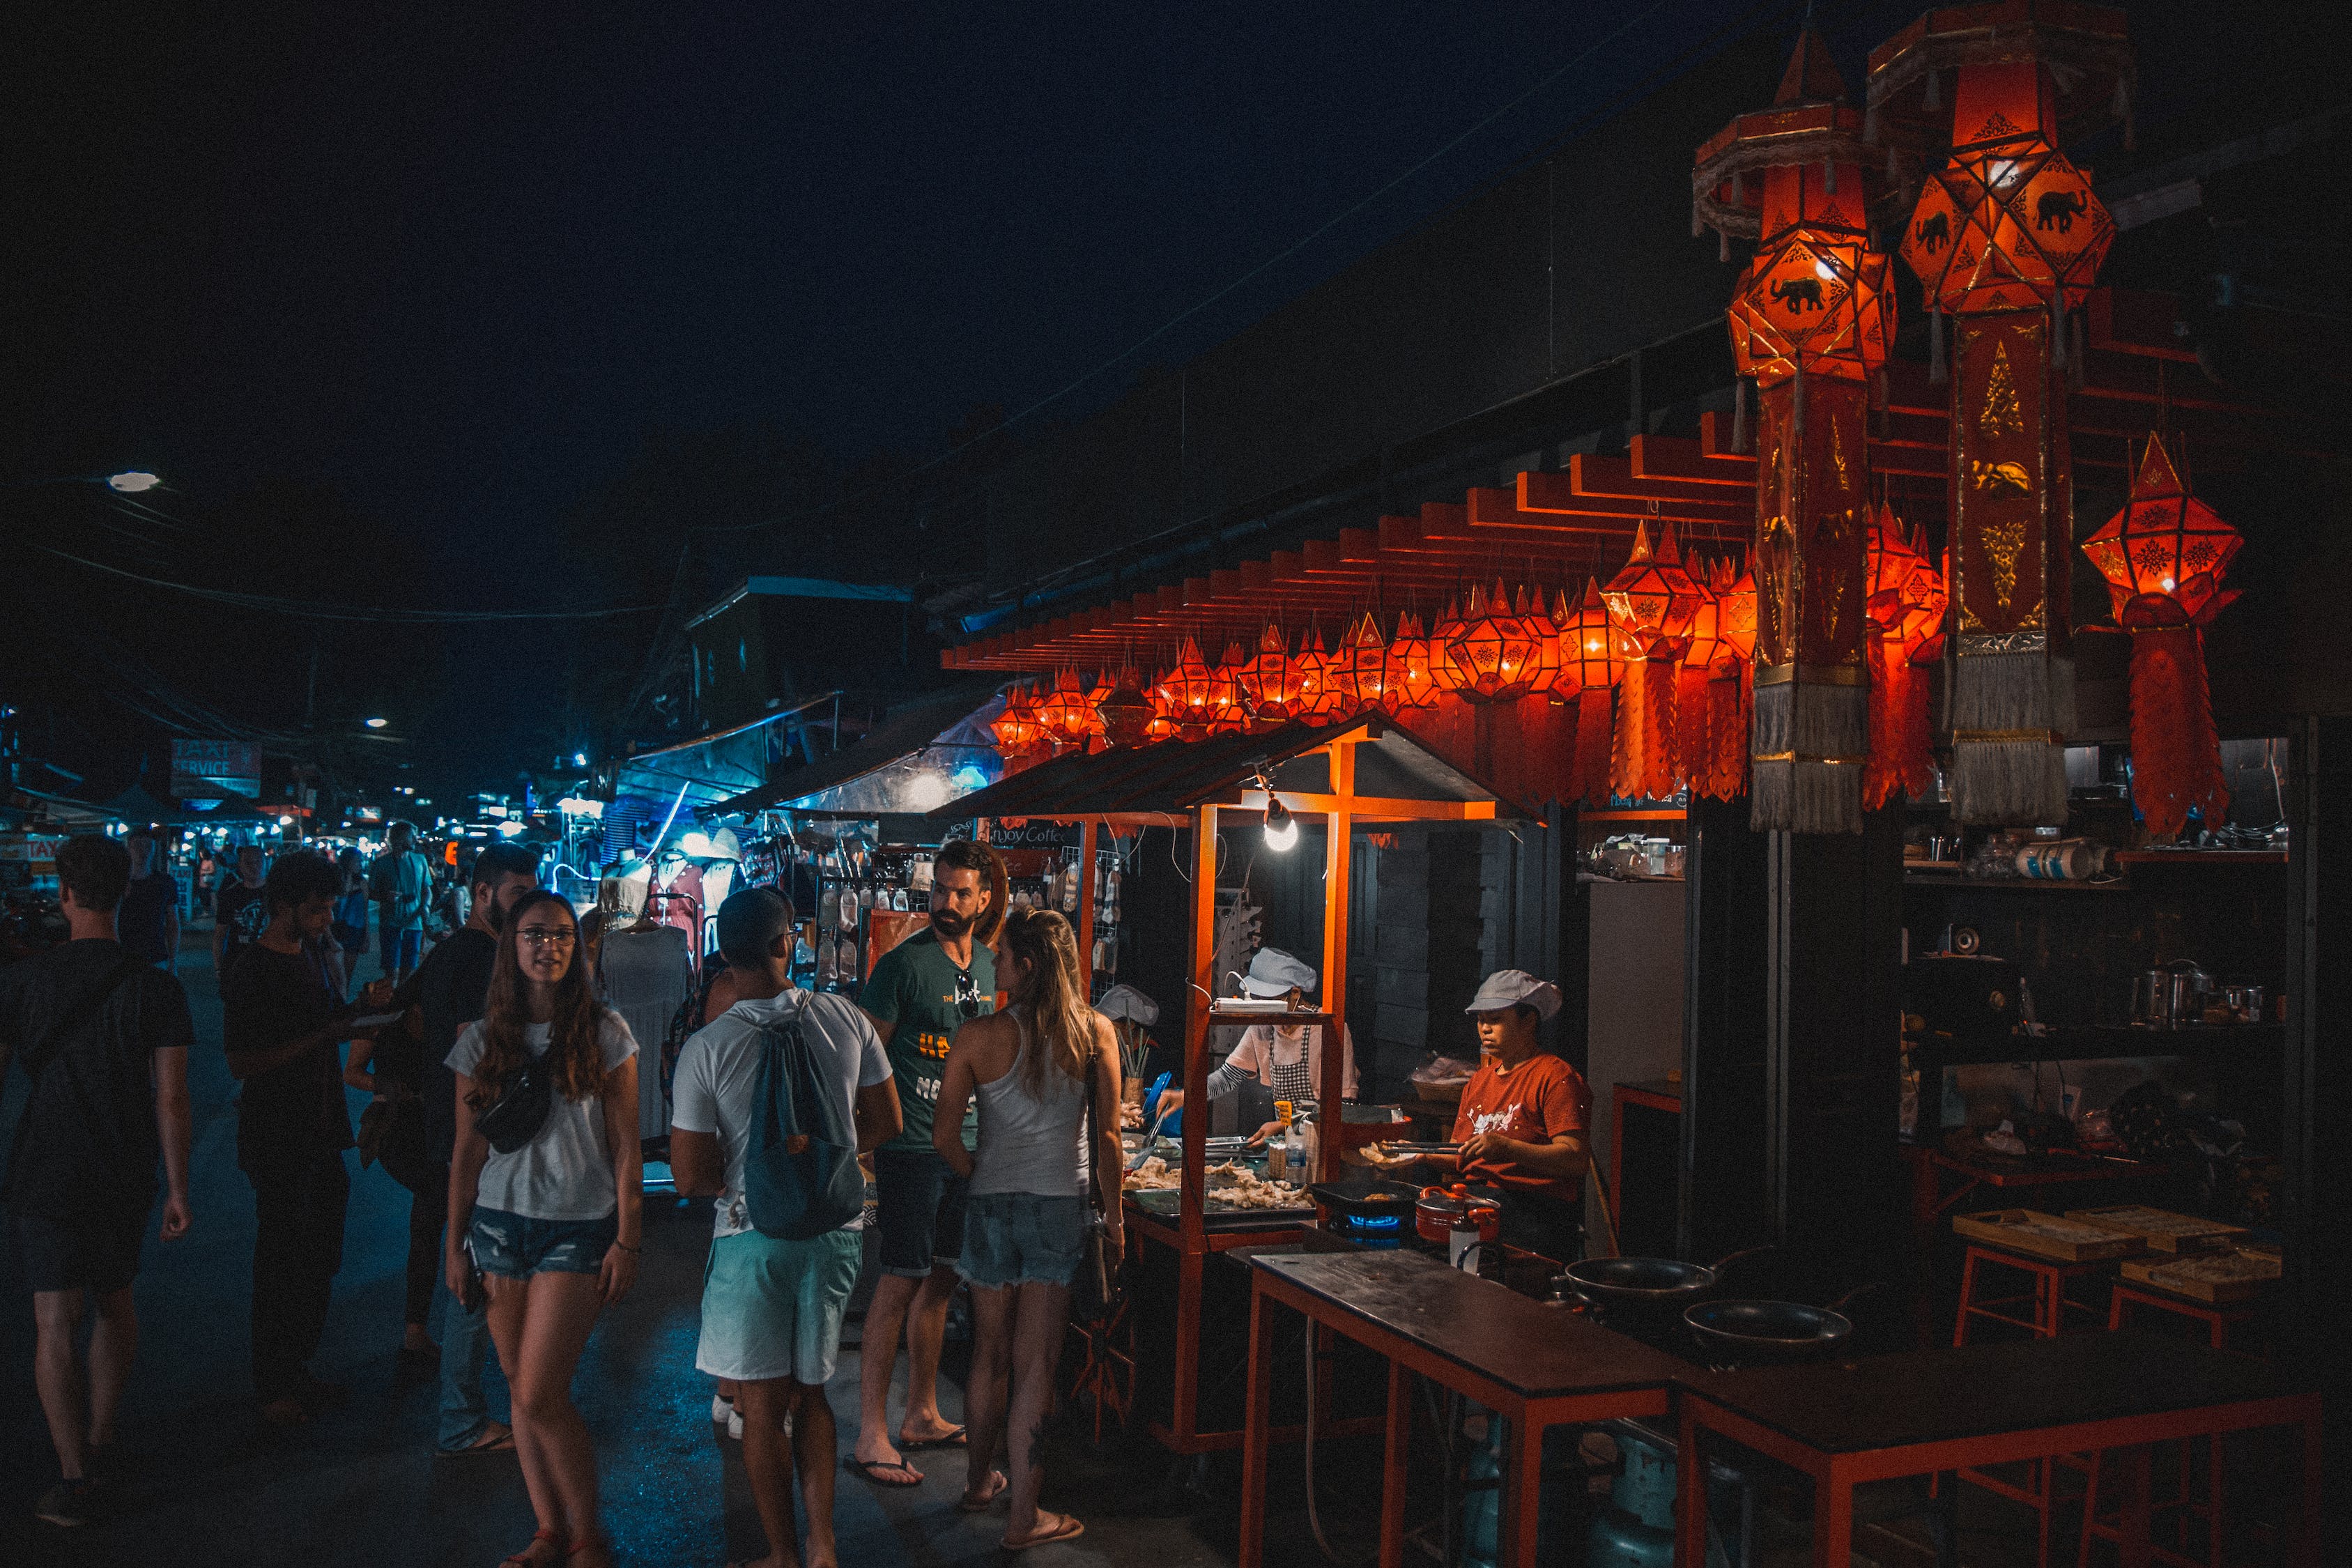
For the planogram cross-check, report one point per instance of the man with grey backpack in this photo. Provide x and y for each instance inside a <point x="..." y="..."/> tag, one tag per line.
<point x="773" y="1100"/>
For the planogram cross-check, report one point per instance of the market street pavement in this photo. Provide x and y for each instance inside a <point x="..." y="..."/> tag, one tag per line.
<point x="204" y="1485"/>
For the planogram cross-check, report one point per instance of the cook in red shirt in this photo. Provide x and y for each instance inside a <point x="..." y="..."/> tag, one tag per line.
<point x="1523" y="1119"/>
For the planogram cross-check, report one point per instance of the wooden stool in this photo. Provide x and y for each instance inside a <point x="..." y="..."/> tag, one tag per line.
<point x="2050" y="1305"/>
<point x="2132" y="1520"/>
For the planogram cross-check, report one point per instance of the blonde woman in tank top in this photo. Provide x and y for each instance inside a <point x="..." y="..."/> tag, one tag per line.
<point x="1026" y="1221"/>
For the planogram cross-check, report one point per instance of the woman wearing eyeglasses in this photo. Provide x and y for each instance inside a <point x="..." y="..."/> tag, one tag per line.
<point x="554" y="1223"/>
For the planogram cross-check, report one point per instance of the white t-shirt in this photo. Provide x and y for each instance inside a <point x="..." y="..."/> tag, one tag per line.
<point x="719" y="1073"/>
<point x="565" y="1172"/>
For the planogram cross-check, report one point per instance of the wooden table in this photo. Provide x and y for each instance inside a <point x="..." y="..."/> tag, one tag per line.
<point x="1534" y="1365"/>
<point x="1924" y="1412"/>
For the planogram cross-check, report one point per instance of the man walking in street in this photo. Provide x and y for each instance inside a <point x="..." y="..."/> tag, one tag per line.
<point x="449" y="991"/>
<point x="104" y="1039"/>
<point x="283" y="1033"/>
<point x="920" y="991"/>
<point x="771" y="1306"/>
<point x="401" y="882"/>
<point x="150" y="921"/>
<point x="238" y="913"/>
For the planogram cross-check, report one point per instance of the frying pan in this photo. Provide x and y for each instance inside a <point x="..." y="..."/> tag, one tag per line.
<point x="1375" y="1199"/>
<point x="1647" y="1284"/>
<point x="1753" y="1332"/>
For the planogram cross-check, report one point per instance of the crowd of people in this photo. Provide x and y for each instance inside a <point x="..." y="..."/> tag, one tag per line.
<point x="503" y="1094"/>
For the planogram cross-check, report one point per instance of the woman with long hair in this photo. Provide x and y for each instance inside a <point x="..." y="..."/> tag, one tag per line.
<point x="1033" y="1068"/>
<point x="551" y="1229"/>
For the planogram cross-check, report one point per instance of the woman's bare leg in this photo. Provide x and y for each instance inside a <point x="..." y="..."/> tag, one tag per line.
<point x="984" y="1392"/>
<point x="510" y="1302"/>
<point x="1040" y="1316"/>
<point x="557" y="1319"/>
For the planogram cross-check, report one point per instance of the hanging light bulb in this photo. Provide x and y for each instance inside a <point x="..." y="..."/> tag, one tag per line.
<point x="1281" y="827"/>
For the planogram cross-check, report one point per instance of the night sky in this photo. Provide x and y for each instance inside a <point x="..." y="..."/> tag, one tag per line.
<point x="391" y="296"/>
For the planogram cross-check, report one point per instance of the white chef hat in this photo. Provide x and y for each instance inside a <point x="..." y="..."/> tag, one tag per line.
<point x="1508" y="987"/>
<point x="1125" y="1002"/>
<point x="1273" y="973"/>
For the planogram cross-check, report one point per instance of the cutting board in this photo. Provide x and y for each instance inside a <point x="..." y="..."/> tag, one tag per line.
<point x="2046" y="1234"/>
<point x="2213" y="1277"/>
<point x="2161" y="1229"/>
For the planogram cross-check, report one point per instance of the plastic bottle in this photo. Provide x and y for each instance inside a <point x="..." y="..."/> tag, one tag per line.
<point x="1277" y="1148"/>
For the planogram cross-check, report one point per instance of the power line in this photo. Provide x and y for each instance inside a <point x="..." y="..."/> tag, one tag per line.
<point x="313" y="610"/>
<point x="1197" y="306"/>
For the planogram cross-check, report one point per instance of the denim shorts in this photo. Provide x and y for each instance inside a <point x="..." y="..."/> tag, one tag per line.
<point x="516" y="1247"/>
<point x="919" y="1208"/>
<point x="1022" y="1239"/>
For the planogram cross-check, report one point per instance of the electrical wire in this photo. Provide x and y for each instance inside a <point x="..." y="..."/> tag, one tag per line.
<point x="314" y="610"/>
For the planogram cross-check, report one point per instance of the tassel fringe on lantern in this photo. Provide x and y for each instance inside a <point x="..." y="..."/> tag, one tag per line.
<point x="1724" y="775"/>
<point x="1591" y="772"/>
<point x="1641" y="765"/>
<point x="1811" y="742"/>
<point x="2009" y="767"/>
<point x="2176" y="754"/>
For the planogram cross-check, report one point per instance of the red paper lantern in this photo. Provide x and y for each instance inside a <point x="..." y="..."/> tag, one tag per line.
<point x="1065" y="714"/>
<point x="1653" y="600"/>
<point x="1899" y="762"/>
<point x="1408" y="677"/>
<point x="1443" y="673"/>
<point x="1271" y="682"/>
<point x="1546" y="664"/>
<point x="1359" y="669"/>
<point x="1124" y="713"/>
<point x="2164" y="556"/>
<point x="1189" y="686"/>
<point x="1017" y="729"/>
<point x="1492" y="650"/>
<point x="1162" y="725"/>
<point x="1595" y="650"/>
<point x="1319" y="688"/>
<point x="1925" y="600"/>
<point x="1229" y="709"/>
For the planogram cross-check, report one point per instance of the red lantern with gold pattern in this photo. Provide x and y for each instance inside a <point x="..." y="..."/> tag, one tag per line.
<point x="1443" y="672"/>
<point x="1491" y="649"/>
<point x="2163" y="557"/>
<point x="1545" y="663"/>
<point x="1654" y="601"/>
<point x="1017" y="729"/>
<point x="1693" y="715"/>
<point x="1359" y="666"/>
<point x="1723" y="774"/>
<point x="1162" y="725"/>
<point x="1065" y="714"/>
<point x="1319" y="694"/>
<point x="1124" y="713"/>
<point x="1271" y="683"/>
<point x="1595" y="652"/>
<point x="1899" y="760"/>
<point x="1408" y="676"/>
<point x="1229" y="709"/>
<point x="1189" y="687"/>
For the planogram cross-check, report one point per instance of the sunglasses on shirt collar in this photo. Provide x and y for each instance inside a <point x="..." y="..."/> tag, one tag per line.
<point x="967" y="993"/>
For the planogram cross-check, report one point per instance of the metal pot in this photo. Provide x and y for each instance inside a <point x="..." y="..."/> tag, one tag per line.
<point x="1440" y="1209"/>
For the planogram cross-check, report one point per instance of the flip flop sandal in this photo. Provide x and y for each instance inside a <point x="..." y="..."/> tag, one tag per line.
<point x="868" y="1468"/>
<point x="1068" y="1530"/>
<point x="955" y="1440"/>
<point x="525" y="1559"/>
<point x="504" y="1443"/>
<point x="970" y="1504"/>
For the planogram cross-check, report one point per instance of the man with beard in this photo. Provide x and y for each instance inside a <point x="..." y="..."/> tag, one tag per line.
<point x="919" y="992"/>
<point x="448" y="991"/>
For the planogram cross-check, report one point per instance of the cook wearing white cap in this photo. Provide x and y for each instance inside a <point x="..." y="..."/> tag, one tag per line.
<point x="1524" y="1117"/>
<point x="1286" y="1057"/>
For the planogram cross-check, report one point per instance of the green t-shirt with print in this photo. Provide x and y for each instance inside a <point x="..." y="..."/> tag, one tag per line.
<point x="914" y="988"/>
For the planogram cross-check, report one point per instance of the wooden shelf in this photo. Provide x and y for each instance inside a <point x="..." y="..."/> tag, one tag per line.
<point x="1665" y="814"/>
<point x="2103" y="1041"/>
<point x="2200" y="857"/>
<point x="2018" y="884"/>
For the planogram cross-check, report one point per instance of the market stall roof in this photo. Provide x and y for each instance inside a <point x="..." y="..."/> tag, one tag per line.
<point x="713" y="767"/>
<point x="1396" y="778"/>
<point x="900" y="766"/>
<point x="40" y="809"/>
<point x="136" y="806"/>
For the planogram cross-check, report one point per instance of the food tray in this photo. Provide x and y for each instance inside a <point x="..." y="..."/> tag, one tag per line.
<point x="2046" y="1236"/>
<point x="2162" y="1230"/>
<point x="1167" y="1203"/>
<point x="2215" y="1278"/>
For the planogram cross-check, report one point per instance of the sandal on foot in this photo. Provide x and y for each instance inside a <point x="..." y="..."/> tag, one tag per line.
<point x="868" y="1468"/>
<point x="971" y="1504"/>
<point x="1068" y="1530"/>
<point x="523" y="1559"/>
<point x="950" y="1439"/>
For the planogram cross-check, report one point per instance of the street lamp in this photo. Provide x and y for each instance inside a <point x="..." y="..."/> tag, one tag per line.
<point x="131" y="482"/>
<point x="376" y="723"/>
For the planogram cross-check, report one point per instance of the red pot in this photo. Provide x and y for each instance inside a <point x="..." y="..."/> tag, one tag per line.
<point x="1441" y="1209"/>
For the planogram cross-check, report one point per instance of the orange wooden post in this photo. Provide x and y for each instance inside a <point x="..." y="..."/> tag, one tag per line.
<point x="1331" y="1073"/>
<point x="1192" y="1232"/>
<point x="1086" y="929"/>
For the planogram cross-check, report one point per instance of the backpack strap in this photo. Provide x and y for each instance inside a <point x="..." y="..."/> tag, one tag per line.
<point x="45" y="1051"/>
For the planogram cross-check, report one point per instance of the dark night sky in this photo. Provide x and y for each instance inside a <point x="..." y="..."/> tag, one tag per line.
<point x="454" y="268"/>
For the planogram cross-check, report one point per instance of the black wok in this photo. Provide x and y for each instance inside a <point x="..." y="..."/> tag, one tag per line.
<point x="1646" y="1283"/>
<point x="1366" y="1200"/>
<point x="1753" y="1332"/>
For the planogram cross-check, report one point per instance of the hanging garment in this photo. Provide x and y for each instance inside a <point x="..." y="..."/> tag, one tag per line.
<point x="647" y="974"/>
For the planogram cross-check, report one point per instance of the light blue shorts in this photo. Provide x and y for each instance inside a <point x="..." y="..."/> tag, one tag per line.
<point x="773" y="1309"/>
<point x="1021" y="1238"/>
<point x="518" y="1246"/>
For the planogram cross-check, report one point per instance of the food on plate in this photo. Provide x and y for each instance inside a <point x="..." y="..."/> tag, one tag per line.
<point x="1229" y="1185"/>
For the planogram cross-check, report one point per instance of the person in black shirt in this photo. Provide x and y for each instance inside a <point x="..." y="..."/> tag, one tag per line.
<point x="104" y="1040"/>
<point x="149" y="922"/>
<point x="446" y="992"/>
<point x="282" y="1031"/>
<point x="238" y="912"/>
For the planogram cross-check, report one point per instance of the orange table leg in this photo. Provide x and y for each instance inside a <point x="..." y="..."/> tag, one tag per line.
<point x="1392" y="1457"/>
<point x="1833" y="1518"/>
<point x="1522" y="1493"/>
<point x="1258" y="1416"/>
<point x="1690" y="1501"/>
